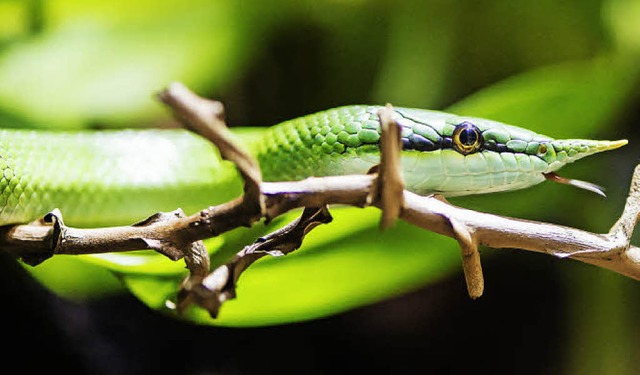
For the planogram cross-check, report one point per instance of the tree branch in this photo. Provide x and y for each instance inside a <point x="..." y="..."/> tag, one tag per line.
<point x="220" y="285"/>
<point x="176" y="235"/>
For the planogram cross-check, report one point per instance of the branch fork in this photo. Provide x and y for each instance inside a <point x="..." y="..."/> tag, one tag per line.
<point x="179" y="236"/>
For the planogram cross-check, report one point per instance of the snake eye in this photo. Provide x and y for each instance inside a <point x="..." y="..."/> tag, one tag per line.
<point x="467" y="138"/>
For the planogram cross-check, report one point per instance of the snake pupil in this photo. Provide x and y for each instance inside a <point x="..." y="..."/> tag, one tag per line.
<point x="467" y="138"/>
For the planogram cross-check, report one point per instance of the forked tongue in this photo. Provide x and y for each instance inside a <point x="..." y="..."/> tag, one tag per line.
<point x="552" y="176"/>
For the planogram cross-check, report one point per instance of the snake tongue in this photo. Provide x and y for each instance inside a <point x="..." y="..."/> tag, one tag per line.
<point x="552" y="176"/>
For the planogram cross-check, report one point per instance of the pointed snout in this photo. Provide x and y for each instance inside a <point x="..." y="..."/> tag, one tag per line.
<point x="566" y="151"/>
<point x="579" y="148"/>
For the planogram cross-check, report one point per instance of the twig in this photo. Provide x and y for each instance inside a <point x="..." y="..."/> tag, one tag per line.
<point x="220" y="285"/>
<point x="389" y="186"/>
<point x="206" y="118"/>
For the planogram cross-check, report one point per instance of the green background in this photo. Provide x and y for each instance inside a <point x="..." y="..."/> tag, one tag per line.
<point x="353" y="298"/>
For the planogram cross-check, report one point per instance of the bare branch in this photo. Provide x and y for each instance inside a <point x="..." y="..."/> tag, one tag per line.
<point x="206" y="118"/>
<point x="220" y="285"/>
<point x="178" y="236"/>
<point x="502" y="232"/>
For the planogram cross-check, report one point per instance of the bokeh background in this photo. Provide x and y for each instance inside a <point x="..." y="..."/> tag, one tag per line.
<point x="392" y="302"/>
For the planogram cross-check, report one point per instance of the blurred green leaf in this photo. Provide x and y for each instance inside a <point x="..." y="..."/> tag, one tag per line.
<point x="102" y="61"/>
<point x="417" y="63"/>
<point x="14" y="21"/>
<point x="570" y="100"/>
<point x="621" y="17"/>
<point x="600" y="310"/>
<point x="153" y="291"/>
<point x="72" y="278"/>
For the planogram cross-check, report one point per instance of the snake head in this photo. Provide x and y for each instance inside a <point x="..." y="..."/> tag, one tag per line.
<point x="551" y="154"/>
<point x="529" y="150"/>
<point x="459" y="155"/>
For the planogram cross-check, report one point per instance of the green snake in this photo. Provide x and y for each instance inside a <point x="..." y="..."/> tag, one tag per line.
<point x="116" y="177"/>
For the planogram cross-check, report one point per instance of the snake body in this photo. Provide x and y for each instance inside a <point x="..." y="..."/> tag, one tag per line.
<point x="114" y="177"/>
